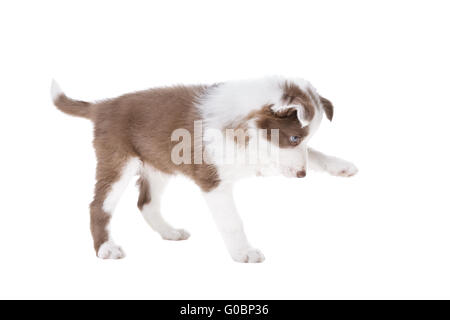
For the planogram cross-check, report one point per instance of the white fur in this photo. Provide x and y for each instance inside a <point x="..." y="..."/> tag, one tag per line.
<point x="152" y="211"/>
<point x="220" y="202"/>
<point x="231" y="101"/>
<point x="55" y="90"/>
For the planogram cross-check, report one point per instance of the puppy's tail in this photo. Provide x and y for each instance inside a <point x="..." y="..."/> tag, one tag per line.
<point x="67" y="105"/>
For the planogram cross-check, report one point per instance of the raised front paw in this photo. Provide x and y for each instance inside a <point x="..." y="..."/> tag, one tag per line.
<point x="341" y="168"/>
<point x="249" y="255"/>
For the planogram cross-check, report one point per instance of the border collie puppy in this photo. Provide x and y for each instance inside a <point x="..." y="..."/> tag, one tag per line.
<point x="213" y="134"/>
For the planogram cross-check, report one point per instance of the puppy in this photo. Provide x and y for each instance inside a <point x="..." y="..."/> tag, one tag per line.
<point x="212" y="134"/>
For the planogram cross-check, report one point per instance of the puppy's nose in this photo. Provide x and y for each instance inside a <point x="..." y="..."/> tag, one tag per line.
<point x="301" y="174"/>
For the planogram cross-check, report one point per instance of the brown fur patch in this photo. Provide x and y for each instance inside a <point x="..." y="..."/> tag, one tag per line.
<point x="139" y="125"/>
<point x="73" y="107"/>
<point x="286" y="122"/>
<point x="144" y="192"/>
<point x="142" y="123"/>
<point x="314" y="96"/>
<point x="292" y="94"/>
<point x="327" y="107"/>
<point x="108" y="172"/>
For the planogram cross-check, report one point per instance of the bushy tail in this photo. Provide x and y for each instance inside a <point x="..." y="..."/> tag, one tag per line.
<point x="68" y="105"/>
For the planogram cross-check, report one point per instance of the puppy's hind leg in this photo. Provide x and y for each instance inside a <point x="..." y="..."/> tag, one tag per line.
<point x="152" y="184"/>
<point x="113" y="175"/>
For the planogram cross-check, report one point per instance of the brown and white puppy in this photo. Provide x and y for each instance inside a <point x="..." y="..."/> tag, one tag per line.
<point x="213" y="134"/>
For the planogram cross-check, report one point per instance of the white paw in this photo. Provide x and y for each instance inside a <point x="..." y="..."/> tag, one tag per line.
<point x="109" y="250"/>
<point x="175" y="234"/>
<point x="341" y="168"/>
<point x="249" y="255"/>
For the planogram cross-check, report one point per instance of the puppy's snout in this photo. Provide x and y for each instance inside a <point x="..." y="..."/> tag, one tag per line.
<point x="301" y="173"/>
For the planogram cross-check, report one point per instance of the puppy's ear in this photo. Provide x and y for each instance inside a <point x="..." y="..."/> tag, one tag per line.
<point x="298" y="110"/>
<point x="303" y="115"/>
<point x="327" y="107"/>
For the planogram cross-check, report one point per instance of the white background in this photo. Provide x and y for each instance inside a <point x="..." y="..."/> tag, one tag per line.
<point x="382" y="234"/>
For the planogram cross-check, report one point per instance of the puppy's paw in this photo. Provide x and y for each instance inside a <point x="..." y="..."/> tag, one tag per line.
<point x="249" y="255"/>
<point x="175" y="234"/>
<point x="109" y="250"/>
<point x="341" y="168"/>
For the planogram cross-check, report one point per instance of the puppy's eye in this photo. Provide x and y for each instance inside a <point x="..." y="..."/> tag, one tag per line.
<point x="294" y="139"/>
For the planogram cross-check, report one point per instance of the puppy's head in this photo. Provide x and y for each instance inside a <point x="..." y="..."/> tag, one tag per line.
<point x="297" y="116"/>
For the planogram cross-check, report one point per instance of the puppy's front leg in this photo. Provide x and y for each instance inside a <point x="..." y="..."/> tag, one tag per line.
<point x="221" y="203"/>
<point x="334" y="166"/>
